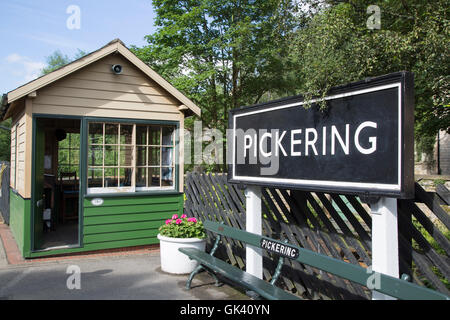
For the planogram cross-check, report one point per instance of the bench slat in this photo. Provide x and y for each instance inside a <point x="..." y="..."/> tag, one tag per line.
<point x="235" y="274"/>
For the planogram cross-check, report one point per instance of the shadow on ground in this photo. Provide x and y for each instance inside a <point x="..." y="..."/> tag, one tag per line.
<point x="137" y="277"/>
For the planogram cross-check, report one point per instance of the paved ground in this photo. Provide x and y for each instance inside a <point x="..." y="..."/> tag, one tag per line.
<point x="118" y="277"/>
<point x="133" y="276"/>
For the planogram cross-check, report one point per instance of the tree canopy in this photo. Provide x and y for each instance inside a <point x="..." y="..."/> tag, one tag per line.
<point x="227" y="54"/>
<point x="57" y="60"/>
<point x="222" y="54"/>
<point x="337" y="47"/>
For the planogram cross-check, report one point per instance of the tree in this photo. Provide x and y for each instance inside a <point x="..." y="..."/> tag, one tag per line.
<point x="222" y="54"/>
<point x="5" y="140"/>
<point x="58" y="60"/>
<point x="336" y="47"/>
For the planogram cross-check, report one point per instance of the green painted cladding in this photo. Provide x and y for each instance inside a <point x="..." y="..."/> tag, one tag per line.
<point x="127" y="221"/>
<point x="20" y="224"/>
<point x="122" y="221"/>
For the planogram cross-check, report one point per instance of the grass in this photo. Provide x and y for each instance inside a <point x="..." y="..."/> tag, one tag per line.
<point x="435" y="245"/>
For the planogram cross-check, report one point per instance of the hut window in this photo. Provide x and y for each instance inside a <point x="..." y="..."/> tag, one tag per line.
<point x="155" y="165"/>
<point x="130" y="157"/>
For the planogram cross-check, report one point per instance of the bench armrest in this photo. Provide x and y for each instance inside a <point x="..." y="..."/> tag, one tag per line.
<point x="216" y="245"/>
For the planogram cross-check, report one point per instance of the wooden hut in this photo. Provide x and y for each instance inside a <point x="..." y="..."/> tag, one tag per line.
<point x="96" y="154"/>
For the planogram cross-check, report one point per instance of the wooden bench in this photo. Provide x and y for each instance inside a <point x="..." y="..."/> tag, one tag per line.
<point x="398" y="288"/>
<point x="256" y="287"/>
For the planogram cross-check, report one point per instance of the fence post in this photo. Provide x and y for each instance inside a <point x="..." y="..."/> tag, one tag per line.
<point x="384" y="240"/>
<point x="405" y="248"/>
<point x="253" y="222"/>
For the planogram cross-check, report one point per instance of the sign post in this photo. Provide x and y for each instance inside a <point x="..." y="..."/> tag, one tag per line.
<point x="385" y="257"/>
<point x="253" y="221"/>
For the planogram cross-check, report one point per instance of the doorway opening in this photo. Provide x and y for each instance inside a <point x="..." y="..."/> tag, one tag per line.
<point x="56" y="183"/>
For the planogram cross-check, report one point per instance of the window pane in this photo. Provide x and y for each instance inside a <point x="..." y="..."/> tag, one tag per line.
<point x="153" y="177"/>
<point x="154" y="135"/>
<point x="74" y="156"/>
<point x="125" y="177"/>
<point x="167" y="177"/>
<point x="64" y="143"/>
<point x="95" y="177"/>
<point x="141" y="135"/>
<point x="126" y="156"/>
<point x="74" y="140"/>
<point x="111" y="177"/>
<point x="96" y="133"/>
<point x="75" y="168"/>
<point x="111" y="155"/>
<point x="63" y="156"/>
<point x="167" y="136"/>
<point x="111" y="133"/>
<point x="141" y="155"/>
<point x="95" y="156"/>
<point x="126" y="134"/>
<point x="141" y="177"/>
<point x="167" y="156"/>
<point x="153" y="156"/>
<point x="64" y="168"/>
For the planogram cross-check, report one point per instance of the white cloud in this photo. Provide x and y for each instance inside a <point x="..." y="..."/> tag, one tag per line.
<point x="24" y="67"/>
<point x="13" y="57"/>
<point x="58" y="41"/>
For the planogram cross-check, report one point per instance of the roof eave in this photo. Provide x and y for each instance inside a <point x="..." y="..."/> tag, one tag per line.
<point x="113" y="46"/>
<point x="40" y="82"/>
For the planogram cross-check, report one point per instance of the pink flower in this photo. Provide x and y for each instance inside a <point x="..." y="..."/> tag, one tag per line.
<point x="183" y="216"/>
<point x="192" y="220"/>
<point x="168" y="221"/>
<point x="175" y="216"/>
<point x="178" y="221"/>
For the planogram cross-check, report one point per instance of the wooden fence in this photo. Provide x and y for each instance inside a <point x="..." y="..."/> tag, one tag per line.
<point x="336" y="225"/>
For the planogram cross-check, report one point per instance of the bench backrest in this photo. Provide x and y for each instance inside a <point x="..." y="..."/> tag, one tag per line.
<point x="391" y="286"/>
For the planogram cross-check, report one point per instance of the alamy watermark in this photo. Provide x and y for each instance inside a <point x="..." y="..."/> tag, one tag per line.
<point x="374" y="280"/>
<point x="374" y="20"/>
<point x="73" y="22"/>
<point x="266" y="147"/>
<point x="207" y="146"/>
<point x="74" y="280"/>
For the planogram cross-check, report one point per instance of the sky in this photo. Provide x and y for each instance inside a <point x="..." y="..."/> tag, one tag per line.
<point x="31" y="30"/>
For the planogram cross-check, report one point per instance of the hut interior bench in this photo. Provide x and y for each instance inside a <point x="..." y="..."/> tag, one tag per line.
<point x="258" y="288"/>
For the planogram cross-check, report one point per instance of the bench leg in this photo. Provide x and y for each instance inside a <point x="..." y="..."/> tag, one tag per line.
<point x="218" y="283"/>
<point x="197" y="270"/>
<point x="192" y="275"/>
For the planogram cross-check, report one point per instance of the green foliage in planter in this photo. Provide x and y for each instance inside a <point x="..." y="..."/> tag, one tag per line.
<point x="183" y="227"/>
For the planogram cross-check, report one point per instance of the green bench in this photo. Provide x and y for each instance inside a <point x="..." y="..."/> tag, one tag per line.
<point x="398" y="288"/>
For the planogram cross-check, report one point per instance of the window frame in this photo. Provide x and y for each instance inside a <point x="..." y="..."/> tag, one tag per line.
<point x="133" y="190"/>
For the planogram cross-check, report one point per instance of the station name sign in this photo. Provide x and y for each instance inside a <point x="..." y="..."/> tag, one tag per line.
<point x="279" y="248"/>
<point x="362" y="142"/>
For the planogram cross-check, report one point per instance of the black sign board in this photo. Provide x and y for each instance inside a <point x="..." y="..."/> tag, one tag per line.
<point x="361" y="143"/>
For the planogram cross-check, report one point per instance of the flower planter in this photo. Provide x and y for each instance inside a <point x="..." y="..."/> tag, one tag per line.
<point x="172" y="260"/>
